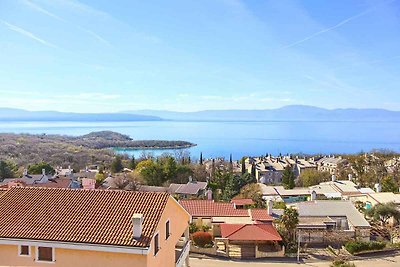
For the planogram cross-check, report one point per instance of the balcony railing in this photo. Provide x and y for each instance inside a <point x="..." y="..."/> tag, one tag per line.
<point x="184" y="252"/>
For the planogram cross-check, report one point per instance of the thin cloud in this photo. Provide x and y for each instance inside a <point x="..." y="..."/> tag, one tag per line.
<point x="50" y="14"/>
<point x="340" y="24"/>
<point x="343" y="22"/>
<point x="27" y="34"/>
<point x="42" y="10"/>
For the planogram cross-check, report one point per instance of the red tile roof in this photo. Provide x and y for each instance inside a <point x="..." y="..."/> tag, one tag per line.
<point x="209" y="208"/>
<point x="260" y="215"/>
<point x="79" y="215"/>
<point x="242" y="201"/>
<point x="54" y="183"/>
<point x="250" y="232"/>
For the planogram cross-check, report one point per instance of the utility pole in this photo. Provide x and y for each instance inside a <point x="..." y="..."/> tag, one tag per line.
<point x="298" y="246"/>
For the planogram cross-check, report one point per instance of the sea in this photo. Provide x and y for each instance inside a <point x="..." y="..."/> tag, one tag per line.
<point x="237" y="138"/>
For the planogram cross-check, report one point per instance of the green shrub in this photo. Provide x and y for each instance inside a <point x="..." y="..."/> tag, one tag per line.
<point x="342" y="263"/>
<point x="205" y="228"/>
<point x="201" y="239"/>
<point x="193" y="228"/>
<point x="359" y="246"/>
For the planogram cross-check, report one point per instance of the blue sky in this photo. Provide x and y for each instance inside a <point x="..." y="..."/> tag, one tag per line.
<point x="106" y="56"/>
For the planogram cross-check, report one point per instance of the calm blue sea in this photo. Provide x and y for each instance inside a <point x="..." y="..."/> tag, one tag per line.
<point x="216" y="139"/>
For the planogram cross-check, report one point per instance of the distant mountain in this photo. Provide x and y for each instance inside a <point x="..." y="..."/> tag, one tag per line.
<point x="9" y="114"/>
<point x="287" y="113"/>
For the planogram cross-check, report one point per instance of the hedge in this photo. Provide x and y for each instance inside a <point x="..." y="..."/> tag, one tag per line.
<point x="201" y="239"/>
<point x="359" y="246"/>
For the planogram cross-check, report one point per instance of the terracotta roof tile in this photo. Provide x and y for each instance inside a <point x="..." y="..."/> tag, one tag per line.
<point x="242" y="201"/>
<point x="250" y="232"/>
<point x="209" y="208"/>
<point x="260" y="215"/>
<point x="79" y="215"/>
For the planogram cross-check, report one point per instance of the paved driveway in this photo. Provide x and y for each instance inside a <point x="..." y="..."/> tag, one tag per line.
<point x="387" y="261"/>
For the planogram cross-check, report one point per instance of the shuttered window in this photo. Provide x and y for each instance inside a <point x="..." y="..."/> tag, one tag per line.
<point x="156" y="244"/>
<point x="45" y="254"/>
<point x="24" y="251"/>
<point x="167" y="233"/>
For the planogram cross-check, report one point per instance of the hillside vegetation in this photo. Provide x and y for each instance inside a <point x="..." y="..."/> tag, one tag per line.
<point x="24" y="149"/>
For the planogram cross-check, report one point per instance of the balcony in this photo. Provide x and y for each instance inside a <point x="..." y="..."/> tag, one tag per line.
<point x="182" y="254"/>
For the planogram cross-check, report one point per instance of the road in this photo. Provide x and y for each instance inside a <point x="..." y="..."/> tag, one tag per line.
<point x="387" y="261"/>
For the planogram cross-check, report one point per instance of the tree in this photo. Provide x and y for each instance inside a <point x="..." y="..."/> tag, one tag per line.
<point x="252" y="191"/>
<point x="288" y="223"/>
<point x="132" y="163"/>
<point x="383" y="212"/>
<point x="38" y="167"/>
<point x="288" y="178"/>
<point x="310" y="177"/>
<point x="116" y="165"/>
<point x="201" y="158"/>
<point x="7" y="170"/>
<point x="253" y="169"/>
<point x="151" y="172"/>
<point x="243" y="165"/>
<point x="100" y="177"/>
<point x="389" y="185"/>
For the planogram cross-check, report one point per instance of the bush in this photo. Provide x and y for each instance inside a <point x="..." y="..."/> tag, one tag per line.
<point x="193" y="228"/>
<point x="202" y="239"/>
<point x="359" y="246"/>
<point x="205" y="228"/>
<point x="342" y="263"/>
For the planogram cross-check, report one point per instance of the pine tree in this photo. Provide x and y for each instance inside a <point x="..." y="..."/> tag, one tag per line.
<point x="243" y="166"/>
<point x="288" y="178"/>
<point x="132" y="163"/>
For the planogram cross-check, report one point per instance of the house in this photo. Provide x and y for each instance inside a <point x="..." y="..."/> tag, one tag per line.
<point x="190" y="189"/>
<point x="78" y="227"/>
<point x="251" y="240"/>
<point x="213" y="214"/>
<point x="330" y="164"/>
<point x="241" y="203"/>
<point x="330" y="221"/>
<point x="238" y="233"/>
<point x="371" y="199"/>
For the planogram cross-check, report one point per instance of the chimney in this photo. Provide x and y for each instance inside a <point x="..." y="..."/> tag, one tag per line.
<point x="137" y="221"/>
<point x="209" y="194"/>
<point x="313" y="196"/>
<point x="378" y="187"/>
<point x="190" y="179"/>
<point x="43" y="172"/>
<point x="333" y="178"/>
<point x="269" y="207"/>
<point x="350" y="176"/>
<point x="25" y="172"/>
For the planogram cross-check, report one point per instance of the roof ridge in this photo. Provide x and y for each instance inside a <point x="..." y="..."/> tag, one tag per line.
<point x="242" y="226"/>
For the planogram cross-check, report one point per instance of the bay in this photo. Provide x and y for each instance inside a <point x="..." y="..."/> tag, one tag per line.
<point x="239" y="138"/>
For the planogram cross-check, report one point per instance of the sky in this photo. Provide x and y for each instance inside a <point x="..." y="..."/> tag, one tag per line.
<point x="110" y="56"/>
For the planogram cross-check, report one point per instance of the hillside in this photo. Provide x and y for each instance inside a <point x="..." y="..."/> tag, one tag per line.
<point x="8" y="114"/>
<point x="24" y="149"/>
<point x="287" y="113"/>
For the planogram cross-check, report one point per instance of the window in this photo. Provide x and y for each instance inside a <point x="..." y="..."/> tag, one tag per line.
<point x="156" y="245"/>
<point x="45" y="254"/>
<point x="167" y="233"/>
<point x="24" y="250"/>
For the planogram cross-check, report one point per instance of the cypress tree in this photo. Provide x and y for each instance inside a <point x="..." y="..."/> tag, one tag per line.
<point x="201" y="158"/>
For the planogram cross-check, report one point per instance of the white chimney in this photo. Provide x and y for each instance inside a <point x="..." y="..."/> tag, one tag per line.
<point x="350" y="177"/>
<point x="378" y="187"/>
<point x="269" y="207"/>
<point x="190" y="179"/>
<point x="333" y="178"/>
<point x="137" y="221"/>
<point x="43" y="172"/>
<point x="25" y="172"/>
<point x="313" y="196"/>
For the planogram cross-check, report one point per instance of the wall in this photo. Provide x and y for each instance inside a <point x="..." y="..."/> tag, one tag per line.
<point x="69" y="257"/>
<point x="179" y="223"/>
